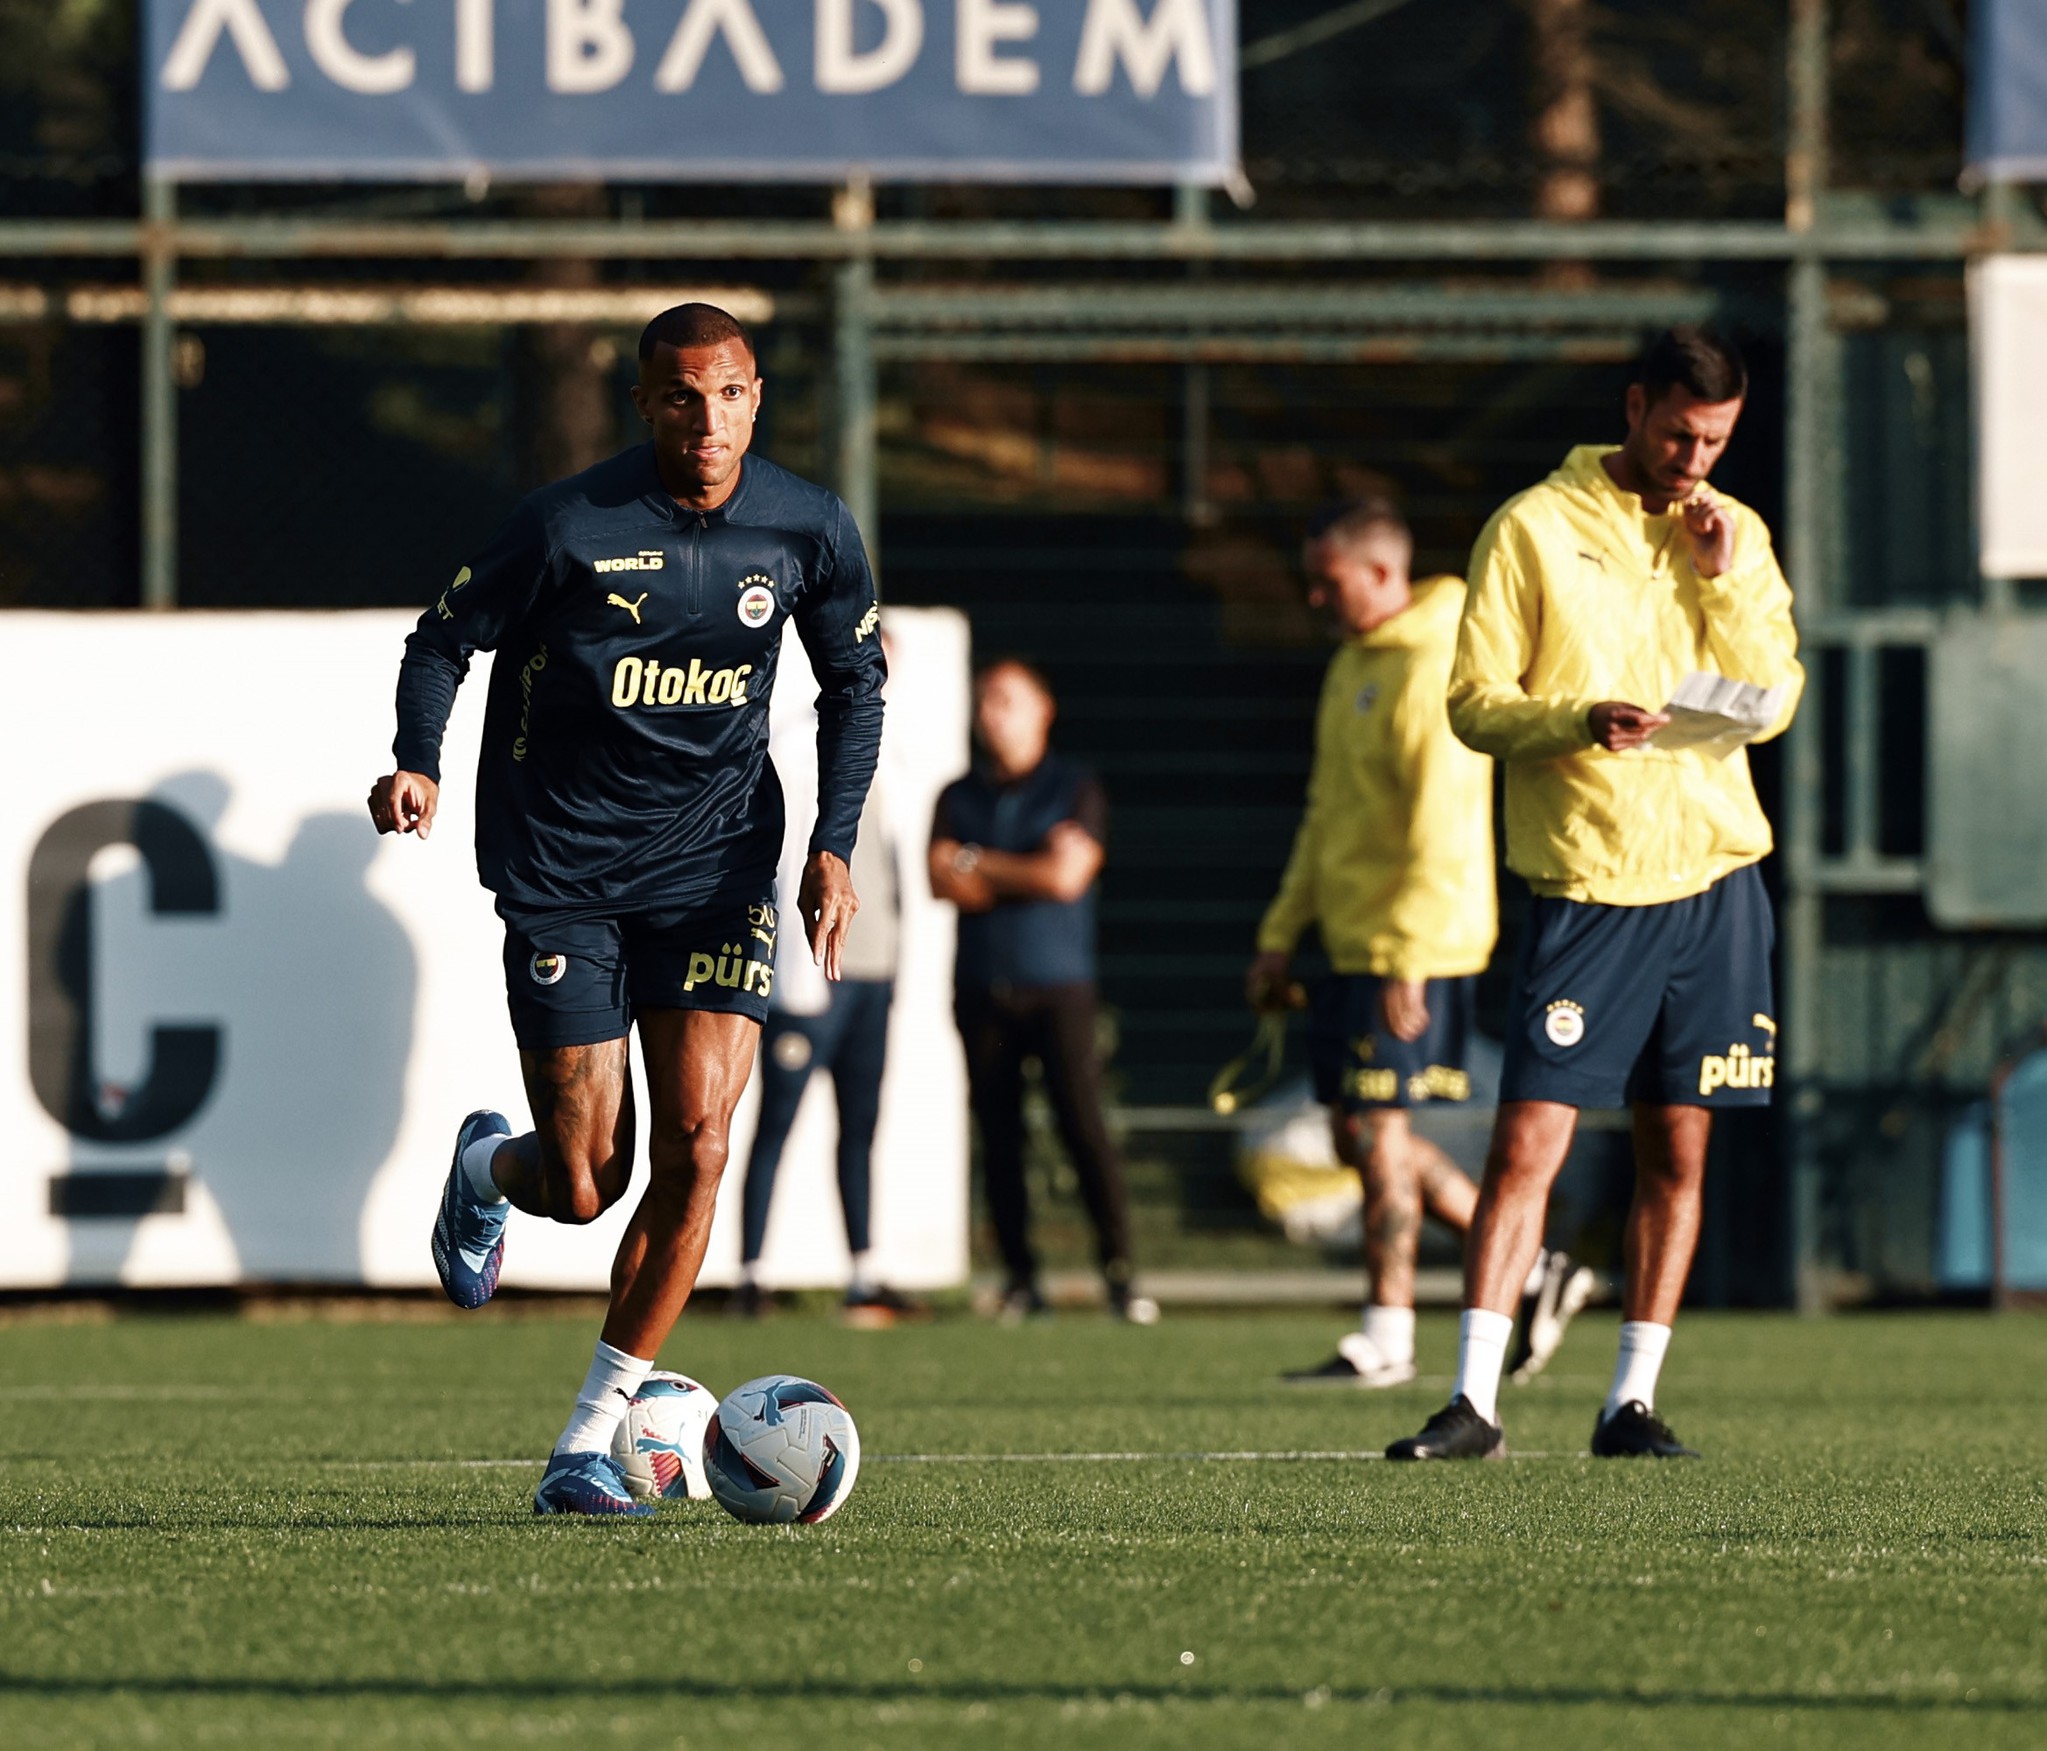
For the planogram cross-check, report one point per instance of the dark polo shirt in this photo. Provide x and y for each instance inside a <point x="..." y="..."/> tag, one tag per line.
<point x="1020" y="944"/>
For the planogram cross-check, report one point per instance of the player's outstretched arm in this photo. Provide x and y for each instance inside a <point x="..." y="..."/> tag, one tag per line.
<point x="839" y="620"/>
<point x="827" y="903"/>
<point x="405" y="802"/>
<point x="471" y="615"/>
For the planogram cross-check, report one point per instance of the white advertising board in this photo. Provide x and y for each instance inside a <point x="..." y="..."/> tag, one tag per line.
<point x="241" y="1028"/>
<point x="2008" y="341"/>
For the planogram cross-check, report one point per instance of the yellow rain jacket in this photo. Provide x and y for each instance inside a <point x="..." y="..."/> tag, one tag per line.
<point x="1580" y="596"/>
<point x="1394" y="857"/>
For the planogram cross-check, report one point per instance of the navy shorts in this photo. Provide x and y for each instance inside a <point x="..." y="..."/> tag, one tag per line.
<point x="1358" y="1065"/>
<point x="575" y="977"/>
<point x="1667" y="1004"/>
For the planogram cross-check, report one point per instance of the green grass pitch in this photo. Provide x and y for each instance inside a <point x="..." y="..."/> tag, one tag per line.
<point x="232" y="1532"/>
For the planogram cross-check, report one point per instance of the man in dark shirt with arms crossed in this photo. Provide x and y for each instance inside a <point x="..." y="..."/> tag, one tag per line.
<point x="629" y="822"/>
<point x="1016" y="845"/>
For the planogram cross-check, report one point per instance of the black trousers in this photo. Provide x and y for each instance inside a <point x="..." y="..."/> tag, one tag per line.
<point x="1054" y="1024"/>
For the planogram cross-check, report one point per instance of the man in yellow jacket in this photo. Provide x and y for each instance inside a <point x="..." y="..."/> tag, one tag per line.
<point x="1644" y="976"/>
<point x="1394" y="862"/>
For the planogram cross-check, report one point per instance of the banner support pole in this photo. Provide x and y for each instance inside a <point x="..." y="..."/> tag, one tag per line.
<point x="856" y="390"/>
<point x="159" y="397"/>
<point x="1811" y="418"/>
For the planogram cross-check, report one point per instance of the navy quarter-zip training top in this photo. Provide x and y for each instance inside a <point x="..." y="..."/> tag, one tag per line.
<point x="625" y="737"/>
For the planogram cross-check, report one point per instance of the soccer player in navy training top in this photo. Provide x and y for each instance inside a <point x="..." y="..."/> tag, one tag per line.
<point x="629" y="822"/>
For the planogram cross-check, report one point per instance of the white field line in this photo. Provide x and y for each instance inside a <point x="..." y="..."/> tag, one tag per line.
<point x="1285" y="1456"/>
<point x="162" y="1393"/>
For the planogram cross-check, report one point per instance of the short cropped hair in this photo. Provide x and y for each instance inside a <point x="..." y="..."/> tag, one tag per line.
<point x="1697" y="359"/>
<point x="693" y="325"/>
<point x="1023" y="666"/>
<point x="1350" y="525"/>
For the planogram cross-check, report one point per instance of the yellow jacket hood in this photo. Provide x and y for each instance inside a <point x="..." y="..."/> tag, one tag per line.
<point x="1578" y="596"/>
<point x="1394" y="855"/>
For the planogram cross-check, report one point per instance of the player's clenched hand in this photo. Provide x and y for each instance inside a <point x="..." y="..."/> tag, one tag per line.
<point x="1618" y="726"/>
<point x="827" y="903"/>
<point x="405" y="802"/>
<point x="1709" y="525"/>
<point x="1404" y="1004"/>
<point x="1265" y="983"/>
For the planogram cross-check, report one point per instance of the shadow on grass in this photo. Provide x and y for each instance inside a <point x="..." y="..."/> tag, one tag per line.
<point x="612" y="1690"/>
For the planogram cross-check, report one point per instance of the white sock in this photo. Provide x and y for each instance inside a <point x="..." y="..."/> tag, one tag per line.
<point x="1643" y="1347"/>
<point x="607" y="1389"/>
<point x="1482" y="1340"/>
<point x="1390" y="1331"/>
<point x="476" y="1160"/>
<point x="1535" y="1272"/>
<point x="863" y="1274"/>
<point x="750" y="1273"/>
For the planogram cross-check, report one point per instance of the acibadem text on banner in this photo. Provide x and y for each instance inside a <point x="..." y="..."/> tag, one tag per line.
<point x="1098" y="90"/>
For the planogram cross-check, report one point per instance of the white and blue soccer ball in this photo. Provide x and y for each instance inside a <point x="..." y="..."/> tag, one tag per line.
<point x="660" y="1440"/>
<point x="780" y="1449"/>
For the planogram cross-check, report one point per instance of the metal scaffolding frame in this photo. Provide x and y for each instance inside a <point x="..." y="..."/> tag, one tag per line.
<point x="1196" y="319"/>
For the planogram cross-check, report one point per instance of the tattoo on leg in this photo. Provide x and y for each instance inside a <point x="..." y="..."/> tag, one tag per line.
<point x="1397" y="1224"/>
<point x="582" y="1117"/>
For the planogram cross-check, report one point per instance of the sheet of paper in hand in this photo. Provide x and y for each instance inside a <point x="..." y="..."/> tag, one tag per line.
<point x="1715" y="715"/>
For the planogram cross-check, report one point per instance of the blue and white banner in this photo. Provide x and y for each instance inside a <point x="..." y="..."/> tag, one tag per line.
<point x="2007" y="124"/>
<point x="684" y="90"/>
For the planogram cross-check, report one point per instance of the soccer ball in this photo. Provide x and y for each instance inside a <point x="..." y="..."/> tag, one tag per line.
<point x="660" y="1440"/>
<point x="781" y="1449"/>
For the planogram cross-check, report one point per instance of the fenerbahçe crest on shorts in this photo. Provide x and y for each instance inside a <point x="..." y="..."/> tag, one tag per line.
<point x="1741" y="1066"/>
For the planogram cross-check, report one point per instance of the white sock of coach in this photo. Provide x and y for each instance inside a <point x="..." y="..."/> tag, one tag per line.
<point x="607" y="1389"/>
<point x="1390" y="1331"/>
<point x="1482" y="1340"/>
<point x="476" y="1160"/>
<point x="1643" y="1347"/>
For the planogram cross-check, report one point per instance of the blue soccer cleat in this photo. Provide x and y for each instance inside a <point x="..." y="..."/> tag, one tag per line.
<point x="586" y="1483"/>
<point x="469" y="1235"/>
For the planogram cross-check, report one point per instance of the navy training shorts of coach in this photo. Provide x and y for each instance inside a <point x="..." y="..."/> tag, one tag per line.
<point x="573" y="978"/>
<point x="1358" y="1065"/>
<point x="1670" y="1004"/>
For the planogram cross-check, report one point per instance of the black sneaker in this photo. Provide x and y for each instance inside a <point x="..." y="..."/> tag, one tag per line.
<point x="748" y="1301"/>
<point x="1454" y="1432"/>
<point x="1357" y="1362"/>
<point x="1636" y="1432"/>
<point x="1022" y="1301"/>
